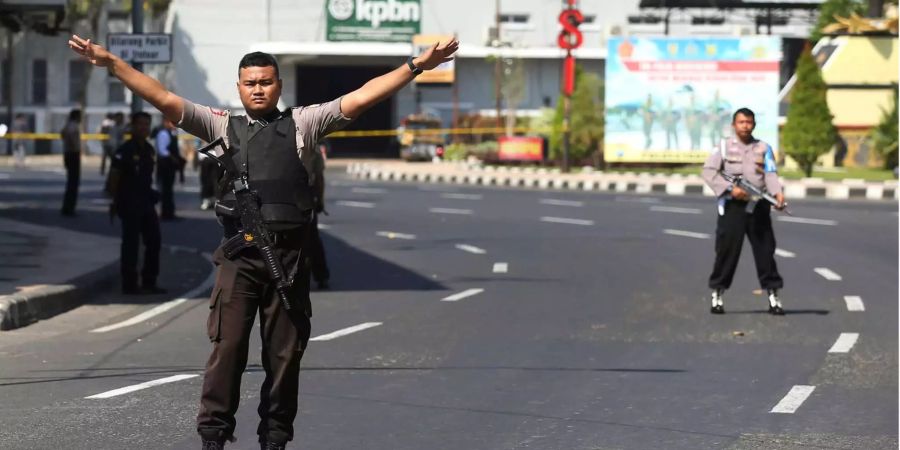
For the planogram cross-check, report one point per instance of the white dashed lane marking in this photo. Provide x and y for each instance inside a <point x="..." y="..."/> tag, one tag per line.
<point x="394" y="235"/>
<point x="676" y="210"/>
<point x="453" y="196"/>
<point x="462" y="295"/>
<point x="159" y="309"/>
<point x="844" y="343"/>
<point x="345" y="331"/>
<point x="792" y="401"/>
<point x="355" y="204"/>
<point x="828" y="274"/>
<point x="854" y="303"/>
<point x="808" y="221"/>
<point x="501" y="267"/>
<point x="555" y="202"/>
<point x="784" y="253"/>
<point x="462" y="212"/>
<point x="689" y="234"/>
<point x="138" y="387"/>
<point x="471" y="249"/>
<point x="567" y="221"/>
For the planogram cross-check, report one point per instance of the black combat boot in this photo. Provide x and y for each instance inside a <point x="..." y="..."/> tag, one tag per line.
<point x="718" y="305"/>
<point x="267" y="445"/>
<point x="775" y="303"/>
<point x="212" y="444"/>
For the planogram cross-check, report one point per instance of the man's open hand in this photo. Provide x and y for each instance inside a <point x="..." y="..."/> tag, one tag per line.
<point x="92" y="52"/>
<point x="437" y="54"/>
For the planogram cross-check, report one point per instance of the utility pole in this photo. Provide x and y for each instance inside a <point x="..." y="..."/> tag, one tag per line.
<point x="498" y="71"/>
<point x="7" y="86"/>
<point x="137" y="27"/>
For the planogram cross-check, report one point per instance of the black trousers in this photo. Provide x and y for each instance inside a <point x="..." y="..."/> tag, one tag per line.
<point x="318" y="262"/>
<point x="242" y="287"/>
<point x="730" y="231"/>
<point x="166" y="169"/>
<point x="72" y="162"/>
<point x="209" y="175"/>
<point x="136" y="225"/>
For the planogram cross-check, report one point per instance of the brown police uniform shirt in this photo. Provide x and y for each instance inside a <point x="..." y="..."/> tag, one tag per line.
<point x="754" y="161"/>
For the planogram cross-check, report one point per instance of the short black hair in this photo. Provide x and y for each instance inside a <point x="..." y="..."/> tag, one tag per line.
<point x="141" y="115"/>
<point x="744" y="112"/>
<point x="258" y="59"/>
<point x="75" y="114"/>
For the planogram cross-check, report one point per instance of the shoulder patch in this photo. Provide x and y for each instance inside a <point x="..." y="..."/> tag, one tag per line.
<point x="217" y="112"/>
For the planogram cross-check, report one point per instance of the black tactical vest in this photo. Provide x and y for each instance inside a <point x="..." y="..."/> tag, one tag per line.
<point x="268" y="155"/>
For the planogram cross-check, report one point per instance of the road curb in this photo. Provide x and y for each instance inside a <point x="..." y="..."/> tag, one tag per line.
<point x="640" y="183"/>
<point x="26" y="307"/>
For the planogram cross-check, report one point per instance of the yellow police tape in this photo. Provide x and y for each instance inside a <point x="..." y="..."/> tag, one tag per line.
<point x="338" y="134"/>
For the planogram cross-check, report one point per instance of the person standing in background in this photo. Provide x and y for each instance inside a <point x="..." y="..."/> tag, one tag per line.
<point x="108" y="144"/>
<point x="71" y="140"/>
<point x="167" y="164"/>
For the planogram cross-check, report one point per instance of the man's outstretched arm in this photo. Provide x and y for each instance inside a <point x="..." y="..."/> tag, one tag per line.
<point x="171" y="105"/>
<point x="384" y="86"/>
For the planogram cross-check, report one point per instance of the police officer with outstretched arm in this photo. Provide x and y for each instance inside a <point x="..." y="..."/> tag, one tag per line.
<point x="273" y="150"/>
<point x="744" y="156"/>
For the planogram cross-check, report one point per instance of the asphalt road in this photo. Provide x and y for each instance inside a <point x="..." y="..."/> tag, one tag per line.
<point x="492" y="319"/>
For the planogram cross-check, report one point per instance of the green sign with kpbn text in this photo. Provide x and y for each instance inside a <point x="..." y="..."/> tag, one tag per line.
<point x="373" y="20"/>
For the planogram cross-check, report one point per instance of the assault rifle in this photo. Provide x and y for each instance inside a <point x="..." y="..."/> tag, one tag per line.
<point x="754" y="192"/>
<point x="253" y="229"/>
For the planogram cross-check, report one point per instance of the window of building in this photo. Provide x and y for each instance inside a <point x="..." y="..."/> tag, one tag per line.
<point x="78" y="70"/>
<point x="39" y="81"/>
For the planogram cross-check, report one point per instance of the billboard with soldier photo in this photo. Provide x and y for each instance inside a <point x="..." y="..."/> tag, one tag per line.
<point x="671" y="99"/>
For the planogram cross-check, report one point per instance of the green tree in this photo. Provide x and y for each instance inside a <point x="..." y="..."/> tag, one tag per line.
<point x="831" y="8"/>
<point x="884" y="136"/>
<point x="586" y="125"/>
<point x="809" y="132"/>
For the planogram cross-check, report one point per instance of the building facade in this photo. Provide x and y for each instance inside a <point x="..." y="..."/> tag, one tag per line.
<point x="328" y="47"/>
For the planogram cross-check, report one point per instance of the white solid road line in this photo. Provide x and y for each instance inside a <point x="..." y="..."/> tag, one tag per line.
<point x="393" y="235"/>
<point x="828" y="274"/>
<point x="689" y="234"/>
<point x="462" y="295"/>
<point x="805" y="220"/>
<point x="784" y="253"/>
<point x="355" y="204"/>
<point x="450" y="211"/>
<point x="637" y="199"/>
<point x="159" y="309"/>
<point x="844" y="343"/>
<point x="555" y="202"/>
<point x="454" y="196"/>
<point x="854" y="303"/>
<point x="501" y="267"/>
<point x="138" y="387"/>
<point x="471" y="249"/>
<point x="793" y="400"/>
<point x="365" y="190"/>
<point x="677" y="210"/>
<point x="567" y="221"/>
<point x="345" y="331"/>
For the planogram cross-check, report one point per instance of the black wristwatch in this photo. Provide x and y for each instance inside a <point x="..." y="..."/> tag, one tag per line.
<point x="415" y="70"/>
